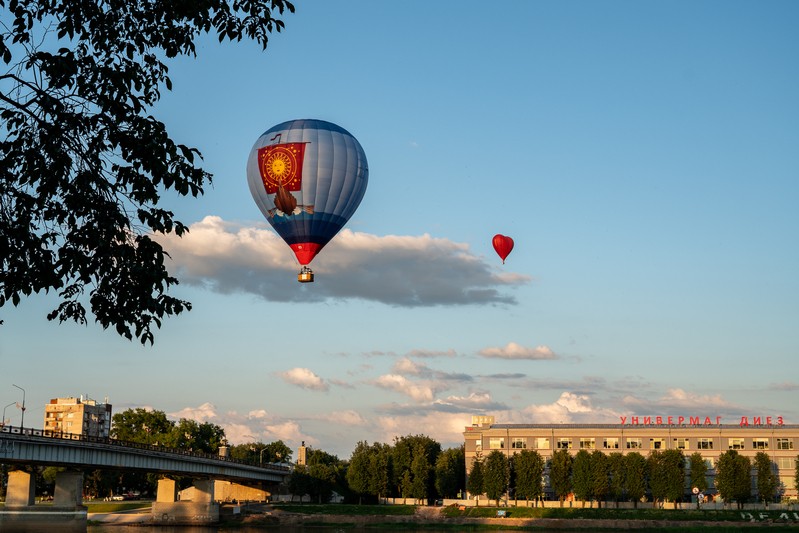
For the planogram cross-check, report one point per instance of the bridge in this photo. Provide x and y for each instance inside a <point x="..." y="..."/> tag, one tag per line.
<point x="80" y="452"/>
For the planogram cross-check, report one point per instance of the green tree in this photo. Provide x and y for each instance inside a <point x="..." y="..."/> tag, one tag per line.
<point x="582" y="481"/>
<point x="560" y="474"/>
<point x="474" y="483"/>
<point x="403" y="453"/>
<point x="495" y="475"/>
<point x="734" y="477"/>
<point x="674" y="471"/>
<point x="381" y="470"/>
<point x="529" y="467"/>
<point x="698" y="473"/>
<point x="325" y="472"/>
<point x="299" y="482"/>
<point x="635" y="474"/>
<point x="796" y="474"/>
<point x="421" y="474"/>
<point x="275" y="452"/>
<point x="767" y="479"/>
<point x="600" y="476"/>
<point x="83" y="163"/>
<point x="359" y="469"/>
<point x="192" y="436"/>
<point x="617" y="475"/>
<point x="142" y="426"/>
<point x="450" y="472"/>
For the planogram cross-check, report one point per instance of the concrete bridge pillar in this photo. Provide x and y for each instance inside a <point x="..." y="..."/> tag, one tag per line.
<point x="68" y="489"/>
<point x="203" y="490"/>
<point x="167" y="490"/>
<point x="65" y="515"/>
<point x="21" y="490"/>
<point x="200" y="509"/>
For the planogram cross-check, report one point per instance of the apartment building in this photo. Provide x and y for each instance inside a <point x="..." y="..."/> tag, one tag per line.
<point x="78" y="416"/>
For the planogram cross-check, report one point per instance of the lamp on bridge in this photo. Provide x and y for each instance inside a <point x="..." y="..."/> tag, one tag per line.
<point x="22" y="420"/>
<point x="3" y="421"/>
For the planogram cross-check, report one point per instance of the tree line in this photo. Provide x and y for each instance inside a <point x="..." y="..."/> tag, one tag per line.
<point x="662" y="476"/>
<point x="416" y="468"/>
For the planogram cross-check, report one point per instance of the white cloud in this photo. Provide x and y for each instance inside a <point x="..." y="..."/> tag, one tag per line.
<point x="445" y="428"/>
<point x="409" y="271"/>
<point x="303" y="377"/>
<point x="432" y="353"/>
<point x="681" y="400"/>
<point x="288" y="431"/>
<point x="203" y="413"/>
<point x="406" y="366"/>
<point x="517" y="351"/>
<point x="346" y="418"/>
<point x="569" y="408"/>
<point x="419" y="393"/>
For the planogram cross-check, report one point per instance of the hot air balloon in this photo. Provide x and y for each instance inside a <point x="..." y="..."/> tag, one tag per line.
<point x="503" y="246"/>
<point x="308" y="178"/>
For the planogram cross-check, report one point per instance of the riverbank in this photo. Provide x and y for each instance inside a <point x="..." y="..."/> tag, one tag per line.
<point x="474" y="519"/>
<point x="465" y="519"/>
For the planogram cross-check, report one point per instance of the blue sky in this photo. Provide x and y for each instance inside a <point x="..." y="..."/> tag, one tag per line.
<point x="644" y="156"/>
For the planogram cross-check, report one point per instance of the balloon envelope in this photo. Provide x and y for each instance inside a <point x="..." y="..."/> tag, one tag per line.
<point x="308" y="178"/>
<point x="502" y="245"/>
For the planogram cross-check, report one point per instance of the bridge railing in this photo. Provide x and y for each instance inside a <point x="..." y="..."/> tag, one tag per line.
<point x="49" y="434"/>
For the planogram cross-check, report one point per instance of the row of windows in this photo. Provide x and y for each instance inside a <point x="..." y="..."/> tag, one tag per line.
<point x="613" y="443"/>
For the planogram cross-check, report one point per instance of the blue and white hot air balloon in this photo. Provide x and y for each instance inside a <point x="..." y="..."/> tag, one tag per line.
<point x="308" y="178"/>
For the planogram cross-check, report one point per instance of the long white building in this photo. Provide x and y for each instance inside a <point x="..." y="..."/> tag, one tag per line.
<point x="707" y="435"/>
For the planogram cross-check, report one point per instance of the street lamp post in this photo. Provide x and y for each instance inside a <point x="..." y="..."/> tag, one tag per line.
<point x="22" y="420"/>
<point x="3" y="421"/>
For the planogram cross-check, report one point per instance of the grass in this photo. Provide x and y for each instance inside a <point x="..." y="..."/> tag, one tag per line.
<point x="347" y="509"/>
<point x="116" y="507"/>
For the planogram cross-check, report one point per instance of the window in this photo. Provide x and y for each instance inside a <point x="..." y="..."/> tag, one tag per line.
<point x="611" y="443"/>
<point x="542" y="443"/>
<point x="496" y="443"/>
<point x="564" y="443"/>
<point x="587" y="444"/>
<point x="736" y="444"/>
<point x="760" y="443"/>
<point x="784" y="444"/>
<point x="704" y="444"/>
<point x="518" y="443"/>
<point x="786" y="463"/>
<point x="680" y="444"/>
<point x="634" y="444"/>
<point x="657" y="444"/>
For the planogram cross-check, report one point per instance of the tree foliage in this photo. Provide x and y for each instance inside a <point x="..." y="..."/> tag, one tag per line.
<point x="83" y="165"/>
<point x="495" y="475"/>
<point x="666" y="475"/>
<point x="529" y="468"/>
<point x="698" y="473"/>
<point x="560" y="472"/>
<point x="450" y="472"/>
<point x="474" y="484"/>
<point x="767" y="479"/>
<point x="734" y="477"/>
<point x="410" y="472"/>
<point x="600" y="476"/>
<point x="582" y="482"/>
<point x="635" y="476"/>
<point x="618" y="476"/>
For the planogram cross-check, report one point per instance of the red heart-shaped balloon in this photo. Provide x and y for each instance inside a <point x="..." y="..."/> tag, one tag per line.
<point x="503" y="246"/>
